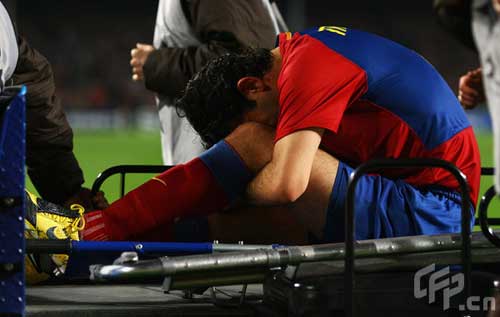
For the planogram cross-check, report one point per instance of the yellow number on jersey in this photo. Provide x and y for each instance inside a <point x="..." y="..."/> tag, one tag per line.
<point x="334" y="29"/>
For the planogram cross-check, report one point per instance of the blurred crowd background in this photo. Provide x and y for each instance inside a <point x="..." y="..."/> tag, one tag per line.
<point x="88" y="43"/>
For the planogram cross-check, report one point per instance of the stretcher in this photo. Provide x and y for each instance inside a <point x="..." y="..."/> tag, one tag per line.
<point x="310" y="280"/>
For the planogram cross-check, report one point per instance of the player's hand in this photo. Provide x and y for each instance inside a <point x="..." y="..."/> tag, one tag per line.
<point x="85" y="198"/>
<point x="471" y="90"/>
<point x="139" y="55"/>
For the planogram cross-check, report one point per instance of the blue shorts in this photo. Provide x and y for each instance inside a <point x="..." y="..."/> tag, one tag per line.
<point x="387" y="208"/>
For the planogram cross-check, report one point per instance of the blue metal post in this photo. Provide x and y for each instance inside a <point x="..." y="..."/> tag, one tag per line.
<point x="12" y="174"/>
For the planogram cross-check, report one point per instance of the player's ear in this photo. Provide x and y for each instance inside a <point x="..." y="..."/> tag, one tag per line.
<point x="250" y="86"/>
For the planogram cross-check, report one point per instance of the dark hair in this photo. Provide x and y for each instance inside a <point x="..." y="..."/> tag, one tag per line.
<point x="211" y="101"/>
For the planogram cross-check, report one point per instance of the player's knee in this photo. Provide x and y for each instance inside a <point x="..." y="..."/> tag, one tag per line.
<point x="254" y="142"/>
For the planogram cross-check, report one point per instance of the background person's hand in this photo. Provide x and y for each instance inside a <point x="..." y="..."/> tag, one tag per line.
<point x="496" y="6"/>
<point x="99" y="201"/>
<point x="84" y="197"/>
<point x="471" y="90"/>
<point x="139" y="55"/>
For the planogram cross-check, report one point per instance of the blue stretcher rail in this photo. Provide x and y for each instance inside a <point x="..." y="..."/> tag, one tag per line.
<point x="142" y="248"/>
<point x="84" y="253"/>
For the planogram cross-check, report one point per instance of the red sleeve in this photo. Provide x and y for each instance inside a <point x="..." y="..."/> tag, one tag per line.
<point x="316" y="85"/>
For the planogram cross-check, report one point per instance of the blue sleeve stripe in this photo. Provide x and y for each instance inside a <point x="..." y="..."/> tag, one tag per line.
<point x="228" y="169"/>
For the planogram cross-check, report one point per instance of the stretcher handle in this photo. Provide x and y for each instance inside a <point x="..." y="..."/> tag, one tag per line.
<point x="123" y="170"/>
<point x="484" y="222"/>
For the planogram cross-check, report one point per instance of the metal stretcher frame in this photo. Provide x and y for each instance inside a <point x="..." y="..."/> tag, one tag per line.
<point x="126" y="169"/>
<point x="122" y="170"/>
<point x="484" y="221"/>
<point x="370" y="166"/>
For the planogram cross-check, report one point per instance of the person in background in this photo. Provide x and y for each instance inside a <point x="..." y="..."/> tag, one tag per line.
<point x="8" y="48"/>
<point x="188" y="34"/>
<point x="483" y="84"/>
<point x="477" y="24"/>
<point x="52" y="165"/>
<point x="455" y="17"/>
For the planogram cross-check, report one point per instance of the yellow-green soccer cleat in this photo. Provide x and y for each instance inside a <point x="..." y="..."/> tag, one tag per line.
<point x="45" y="220"/>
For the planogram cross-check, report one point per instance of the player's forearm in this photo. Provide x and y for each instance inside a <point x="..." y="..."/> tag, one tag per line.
<point x="261" y="194"/>
<point x="269" y="187"/>
<point x="286" y="177"/>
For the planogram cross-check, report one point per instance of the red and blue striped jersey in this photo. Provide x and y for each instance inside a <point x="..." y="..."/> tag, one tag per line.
<point x="375" y="99"/>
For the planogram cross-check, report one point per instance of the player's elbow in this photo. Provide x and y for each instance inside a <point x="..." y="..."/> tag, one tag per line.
<point x="291" y="190"/>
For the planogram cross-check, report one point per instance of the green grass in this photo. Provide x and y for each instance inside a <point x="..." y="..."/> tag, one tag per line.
<point x="97" y="151"/>
<point x="485" y="142"/>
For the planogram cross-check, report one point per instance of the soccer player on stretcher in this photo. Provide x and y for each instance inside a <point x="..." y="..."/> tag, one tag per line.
<point x="286" y="128"/>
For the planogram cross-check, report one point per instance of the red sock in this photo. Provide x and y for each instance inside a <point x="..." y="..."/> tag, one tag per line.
<point x="199" y="187"/>
<point x="184" y="190"/>
<point x="95" y="228"/>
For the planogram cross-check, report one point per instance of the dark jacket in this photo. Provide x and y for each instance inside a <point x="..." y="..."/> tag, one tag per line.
<point x="167" y="70"/>
<point x="52" y="166"/>
<point x="455" y="17"/>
